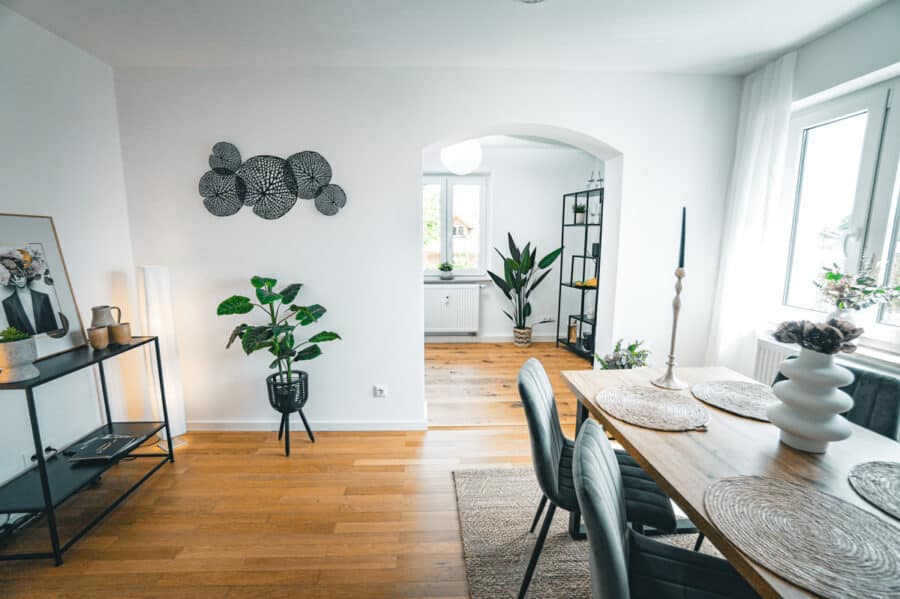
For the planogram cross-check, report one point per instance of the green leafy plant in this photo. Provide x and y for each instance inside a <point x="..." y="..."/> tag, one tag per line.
<point x="445" y="267"/>
<point x="520" y="278"/>
<point x="579" y="208"/>
<point x="278" y="335"/>
<point x="854" y="292"/>
<point x="621" y="358"/>
<point x="11" y="334"/>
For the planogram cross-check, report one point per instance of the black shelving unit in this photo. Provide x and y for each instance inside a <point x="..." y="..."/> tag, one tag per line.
<point x="43" y="488"/>
<point x="579" y="259"/>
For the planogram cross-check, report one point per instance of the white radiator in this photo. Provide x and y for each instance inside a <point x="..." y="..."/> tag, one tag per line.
<point x="451" y="308"/>
<point x="768" y="356"/>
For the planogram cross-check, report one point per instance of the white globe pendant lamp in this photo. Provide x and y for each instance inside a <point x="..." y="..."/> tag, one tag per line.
<point x="462" y="158"/>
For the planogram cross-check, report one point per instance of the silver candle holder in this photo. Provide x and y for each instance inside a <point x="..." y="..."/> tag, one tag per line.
<point x="668" y="380"/>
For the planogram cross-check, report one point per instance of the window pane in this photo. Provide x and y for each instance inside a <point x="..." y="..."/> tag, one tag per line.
<point x="891" y="312"/>
<point x="828" y="177"/>
<point x="466" y="199"/>
<point x="431" y="209"/>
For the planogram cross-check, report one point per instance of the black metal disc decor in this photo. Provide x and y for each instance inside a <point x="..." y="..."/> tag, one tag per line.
<point x="269" y="184"/>
<point x="331" y="199"/>
<point x="222" y="191"/>
<point x="311" y="171"/>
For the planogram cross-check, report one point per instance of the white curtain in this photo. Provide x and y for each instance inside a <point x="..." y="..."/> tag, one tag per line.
<point x="748" y="283"/>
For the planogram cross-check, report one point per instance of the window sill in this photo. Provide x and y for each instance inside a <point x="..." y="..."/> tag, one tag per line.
<point x="457" y="279"/>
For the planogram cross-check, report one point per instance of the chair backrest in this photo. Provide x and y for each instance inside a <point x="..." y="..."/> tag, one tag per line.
<point x="598" y="484"/>
<point x="876" y="401"/>
<point x="548" y="444"/>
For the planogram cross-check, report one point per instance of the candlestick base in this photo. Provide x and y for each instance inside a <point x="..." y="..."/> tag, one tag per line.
<point x="669" y="381"/>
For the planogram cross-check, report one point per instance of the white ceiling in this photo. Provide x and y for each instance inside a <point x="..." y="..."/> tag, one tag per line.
<point x="686" y="36"/>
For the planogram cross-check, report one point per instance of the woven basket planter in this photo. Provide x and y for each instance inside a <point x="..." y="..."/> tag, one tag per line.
<point x="522" y="337"/>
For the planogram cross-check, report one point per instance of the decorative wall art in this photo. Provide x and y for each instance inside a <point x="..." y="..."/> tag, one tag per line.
<point x="269" y="184"/>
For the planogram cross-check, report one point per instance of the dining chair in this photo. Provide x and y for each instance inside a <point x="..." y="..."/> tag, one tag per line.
<point x="552" y="453"/>
<point x="623" y="562"/>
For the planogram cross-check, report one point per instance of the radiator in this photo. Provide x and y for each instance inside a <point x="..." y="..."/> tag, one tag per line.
<point x="451" y="308"/>
<point x="768" y="356"/>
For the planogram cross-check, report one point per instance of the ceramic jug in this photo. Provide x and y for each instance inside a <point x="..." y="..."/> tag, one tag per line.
<point x="102" y="316"/>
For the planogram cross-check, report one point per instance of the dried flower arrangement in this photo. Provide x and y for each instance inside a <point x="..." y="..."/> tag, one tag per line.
<point x="846" y="291"/>
<point x="829" y="337"/>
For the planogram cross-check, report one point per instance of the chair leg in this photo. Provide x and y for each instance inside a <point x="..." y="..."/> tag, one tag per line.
<point x="699" y="542"/>
<point x="309" y="432"/>
<point x="281" y="428"/>
<point x="287" y="435"/>
<point x="537" y="515"/>
<point x="538" y="546"/>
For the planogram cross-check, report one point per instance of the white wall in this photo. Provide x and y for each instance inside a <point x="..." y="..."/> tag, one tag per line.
<point x="862" y="46"/>
<point x="525" y="198"/>
<point x="676" y="134"/>
<point x="60" y="156"/>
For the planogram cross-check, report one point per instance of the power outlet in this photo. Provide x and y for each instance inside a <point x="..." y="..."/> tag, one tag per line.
<point x="379" y="391"/>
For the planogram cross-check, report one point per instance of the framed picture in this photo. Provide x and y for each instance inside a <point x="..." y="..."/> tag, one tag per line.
<point x="35" y="294"/>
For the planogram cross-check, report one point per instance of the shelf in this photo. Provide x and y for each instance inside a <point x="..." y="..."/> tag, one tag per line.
<point x="582" y="224"/>
<point x="576" y="348"/>
<point x="23" y="494"/>
<point x="586" y="257"/>
<point x="67" y="362"/>
<point x="582" y="287"/>
<point x="582" y="318"/>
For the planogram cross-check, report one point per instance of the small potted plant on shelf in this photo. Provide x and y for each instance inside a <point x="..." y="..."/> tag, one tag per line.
<point x="622" y="358"/>
<point x="446" y="271"/>
<point x="522" y="273"/>
<point x="579" y="210"/>
<point x="18" y="352"/>
<point x="287" y="387"/>
<point x="850" y="293"/>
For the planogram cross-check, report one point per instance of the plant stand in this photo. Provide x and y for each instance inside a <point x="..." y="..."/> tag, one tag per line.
<point x="288" y="398"/>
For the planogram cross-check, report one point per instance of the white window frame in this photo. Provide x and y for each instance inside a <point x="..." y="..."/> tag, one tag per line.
<point x="446" y="181"/>
<point x="874" y="220"/>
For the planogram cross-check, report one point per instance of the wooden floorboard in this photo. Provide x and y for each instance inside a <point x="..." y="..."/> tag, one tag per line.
<point x="353" y="515"/>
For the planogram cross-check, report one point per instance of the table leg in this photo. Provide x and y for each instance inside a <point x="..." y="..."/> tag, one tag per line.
<point x="45" y="480"/>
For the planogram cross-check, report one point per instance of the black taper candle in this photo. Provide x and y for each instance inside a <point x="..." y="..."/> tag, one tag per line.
<point x="681" y="251"/>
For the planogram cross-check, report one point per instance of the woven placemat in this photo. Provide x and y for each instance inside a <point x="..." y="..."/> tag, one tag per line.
<point x="808" y="537"/>
<point x="879" y="484"/>
<point x="738" y="397"/>
<point x="654" y="408"/>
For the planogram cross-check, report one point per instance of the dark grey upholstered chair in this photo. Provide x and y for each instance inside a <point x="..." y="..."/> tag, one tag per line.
<point x="876" y="401"/>
<point x="552" y="453"/>
<point x="625" y="563"/>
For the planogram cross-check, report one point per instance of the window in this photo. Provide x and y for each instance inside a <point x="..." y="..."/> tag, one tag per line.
<point x="844" y="188"/>
<point x="454" y="217"/>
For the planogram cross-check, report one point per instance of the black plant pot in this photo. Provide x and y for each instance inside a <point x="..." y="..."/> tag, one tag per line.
<point x="289" y="396"/>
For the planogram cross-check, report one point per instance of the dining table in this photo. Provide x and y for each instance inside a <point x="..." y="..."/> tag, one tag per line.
<point x="686" y="464"/>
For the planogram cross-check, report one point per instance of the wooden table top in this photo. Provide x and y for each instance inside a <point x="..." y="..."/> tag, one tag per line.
<point x="685" y="464"/>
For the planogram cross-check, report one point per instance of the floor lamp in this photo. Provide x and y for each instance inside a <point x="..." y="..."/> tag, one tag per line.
<point x="159" y="320"/>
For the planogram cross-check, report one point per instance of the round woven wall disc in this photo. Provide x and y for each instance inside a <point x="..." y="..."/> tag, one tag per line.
<point x="331" y="199"/>
<point x="222" y="191"/>
<point x="271" y="188"/>
<point x="311" y="171"/>
<point x="225" y="156"/>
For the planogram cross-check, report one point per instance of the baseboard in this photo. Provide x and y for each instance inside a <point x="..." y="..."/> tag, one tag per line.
<point x="483" y="338"/>
<point x="316" y="425"/>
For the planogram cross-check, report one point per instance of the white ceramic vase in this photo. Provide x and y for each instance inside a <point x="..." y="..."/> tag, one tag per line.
<point x="809" y="414"/>
<point x="17" y="360"/>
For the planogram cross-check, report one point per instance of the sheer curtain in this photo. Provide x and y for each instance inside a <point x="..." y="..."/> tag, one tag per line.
<point x="748" y="283"/>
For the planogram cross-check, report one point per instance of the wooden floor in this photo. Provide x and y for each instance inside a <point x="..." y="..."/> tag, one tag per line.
<point x="355" y="515"/>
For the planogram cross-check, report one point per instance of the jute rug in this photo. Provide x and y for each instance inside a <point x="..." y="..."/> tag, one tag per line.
<point x="495" y="510"/>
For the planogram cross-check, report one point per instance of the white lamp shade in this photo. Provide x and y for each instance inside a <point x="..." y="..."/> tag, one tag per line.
<point x="159" y="320"/>
<point x="462" y="158"/>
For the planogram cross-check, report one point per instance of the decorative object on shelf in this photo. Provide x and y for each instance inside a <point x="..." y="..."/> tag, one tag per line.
<point x="271" y="185"/>
<point x="624" y="358"/>
<point x="668" y="380"/>
<point x="101" y="316"/>
<point x="589" y="284"/>
<point x="120" y="334"/>
<point x="879" y="484"/>
<point x="849" y="293"/>
<point x="446" y="271"/>
<point x="462" y="158"/>
<point x="854" y="553"/>
<point x="17" y="355"/>
<point x="278" y="337"/>
<point x="35" y="291"/>
<point x="809" y="413"/>
<point x="99" y="337"/>
<point x="521" y="276"/>
<point x="579" y="211"/>
<point x="595" y="250"/>
<point x="648" y="407"/>
<point x="738" y="397"/>
<point x="572" y="337"/>
<point x="587" y="341"/>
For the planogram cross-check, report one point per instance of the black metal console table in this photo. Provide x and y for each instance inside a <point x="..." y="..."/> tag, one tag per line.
<point x="52" y="481"/>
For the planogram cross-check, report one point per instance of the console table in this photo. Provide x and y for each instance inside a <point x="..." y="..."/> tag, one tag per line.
<point x="41" y="489"/>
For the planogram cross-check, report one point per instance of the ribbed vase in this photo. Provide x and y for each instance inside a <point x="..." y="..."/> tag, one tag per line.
<point x="809" y="414"/>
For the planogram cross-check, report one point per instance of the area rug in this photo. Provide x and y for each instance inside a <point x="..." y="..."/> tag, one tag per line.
<point x="495" y="510"/>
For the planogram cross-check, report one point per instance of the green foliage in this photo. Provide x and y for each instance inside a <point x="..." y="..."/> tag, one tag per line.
<point x="846" y="291"/>
<point x="445" y="267"/>
<point x="579" y="208"/>
<point x="10" y="334"/>
<point x="278" y="334"/>
<point x="522" y="273"/>
<point x="632" y="356"/>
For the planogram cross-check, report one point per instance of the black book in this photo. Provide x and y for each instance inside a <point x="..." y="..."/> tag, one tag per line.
<point x="102" y="448"/>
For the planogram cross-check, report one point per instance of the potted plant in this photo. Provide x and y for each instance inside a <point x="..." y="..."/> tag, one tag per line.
<point x="522" y="273"/>
<point x="17" y="355"/>
<point x="446" y="271"/>
<point x="287" y="387"/>
<point x="850" y="293"/>
<point x="579" y="210"/>
<point x="632" y="356"/>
